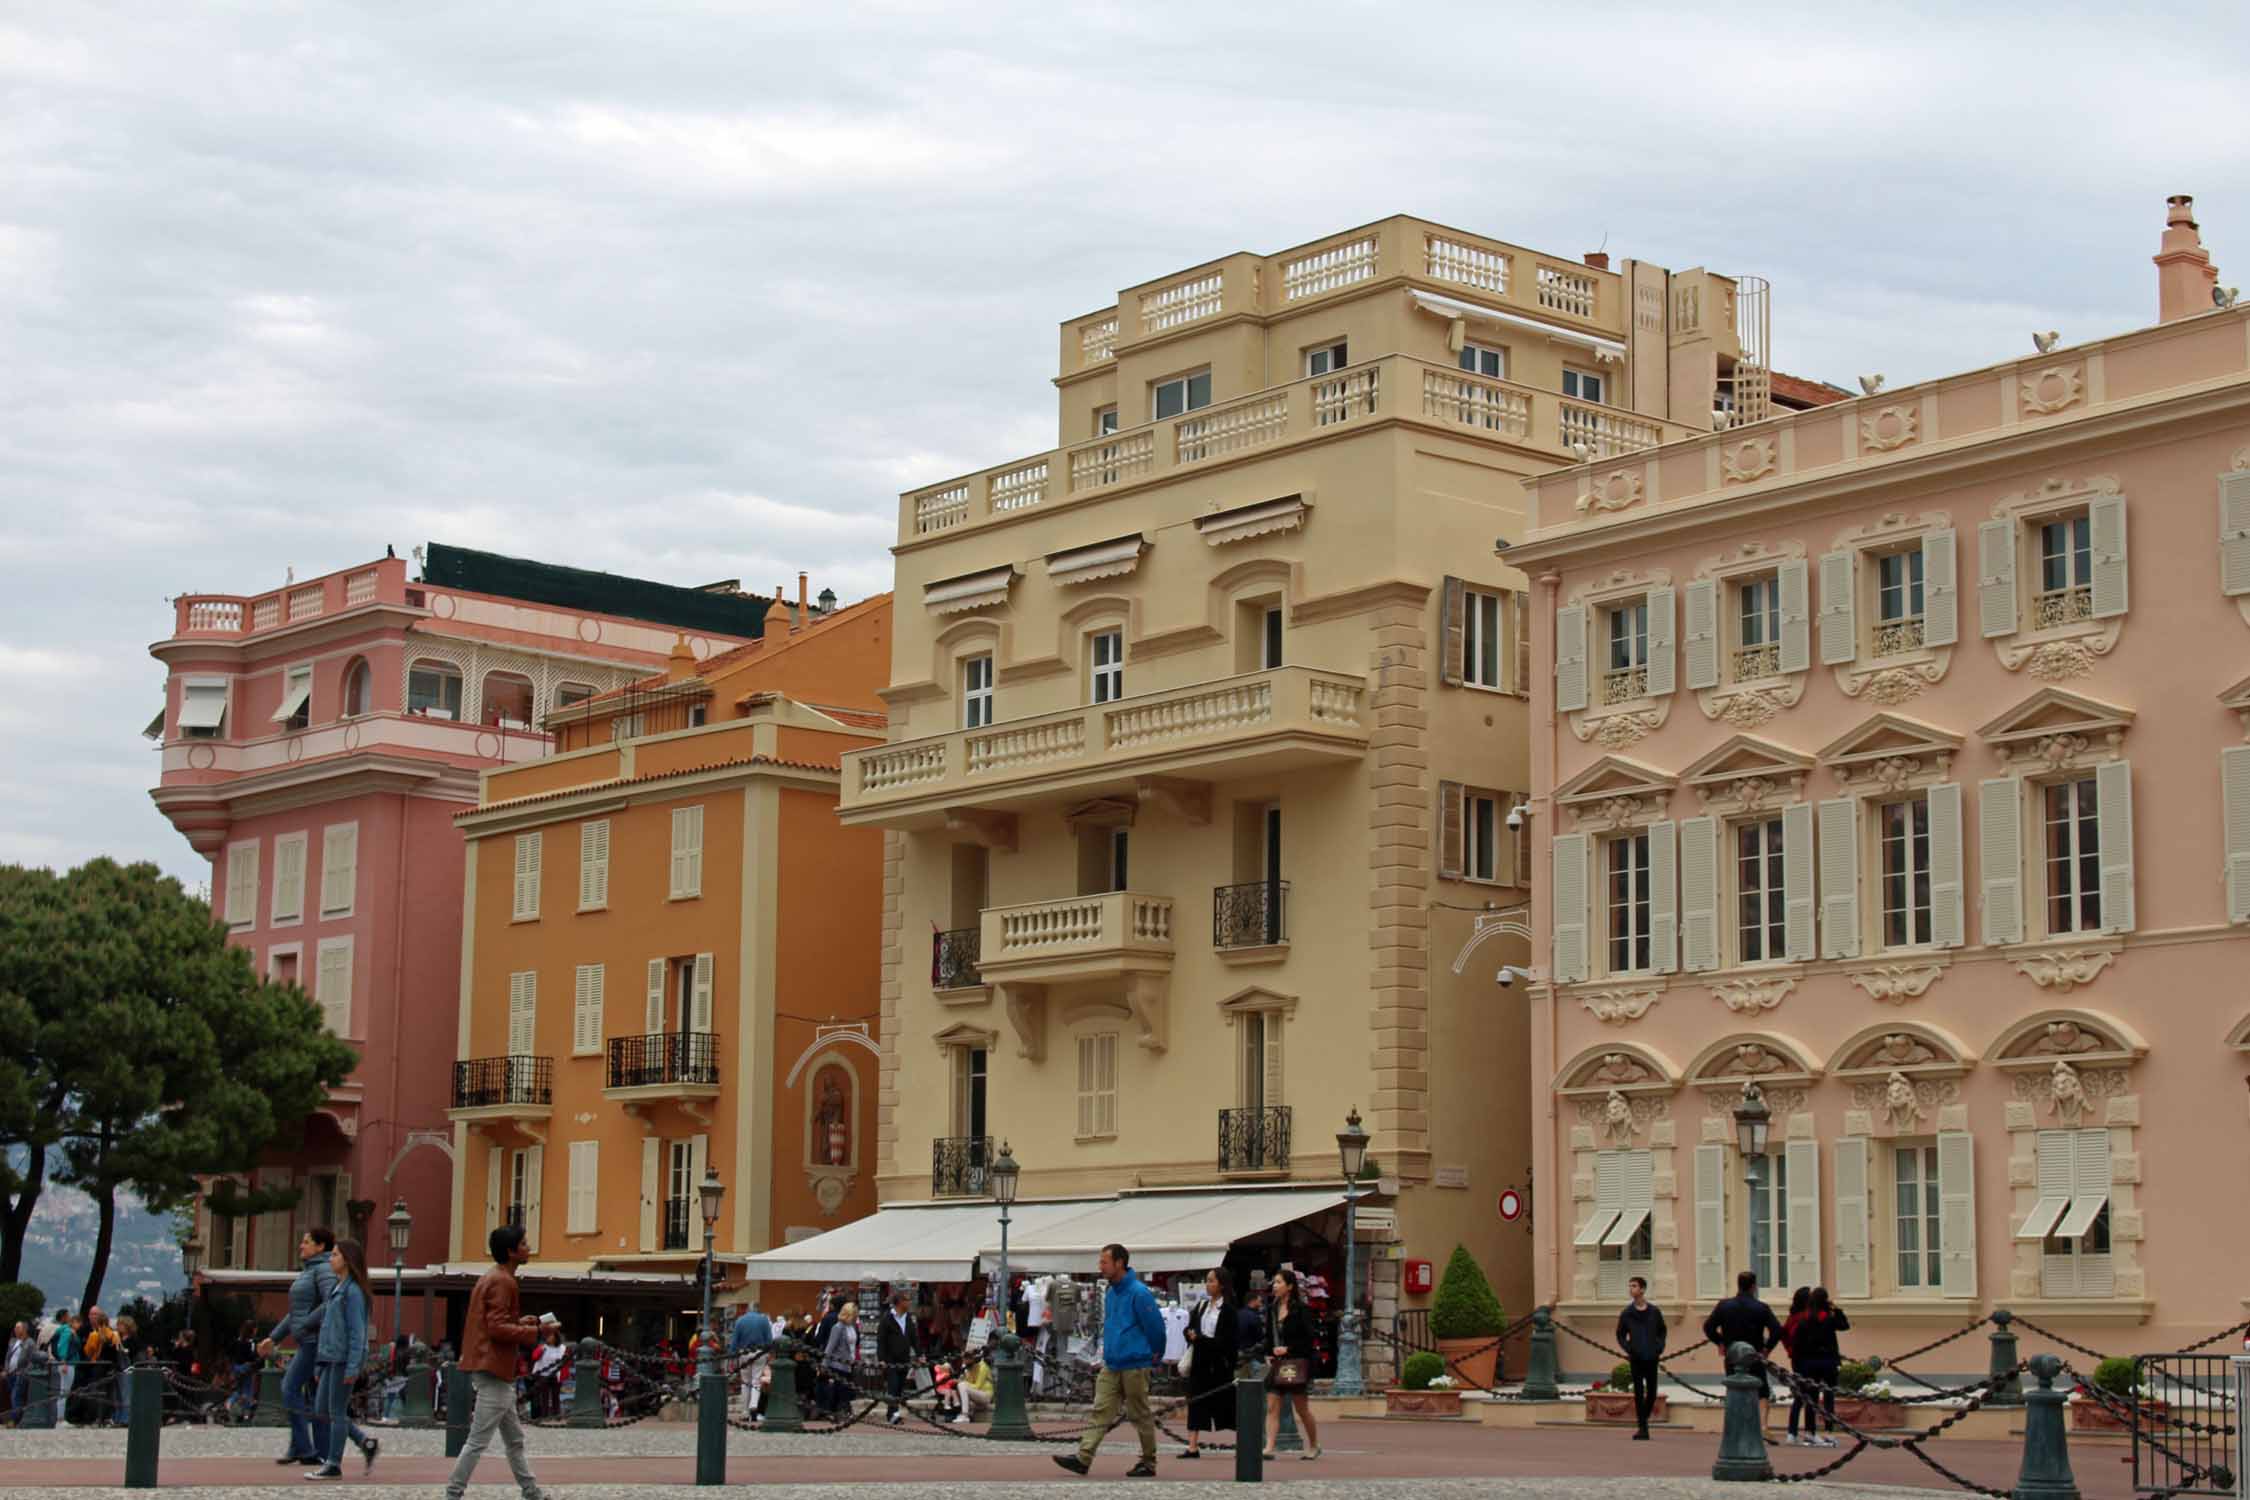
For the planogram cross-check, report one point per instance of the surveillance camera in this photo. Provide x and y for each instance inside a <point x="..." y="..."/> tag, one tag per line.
<point x="1507" y="979"/>
<point x="1515" y="818"/>
<point x="1501" y="544"/>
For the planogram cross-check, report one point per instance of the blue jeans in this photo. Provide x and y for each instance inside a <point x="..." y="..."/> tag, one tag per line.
<point x="308" y="1432"/>
<point x="334" y="1407"/>
<point x="124" y="1396"/>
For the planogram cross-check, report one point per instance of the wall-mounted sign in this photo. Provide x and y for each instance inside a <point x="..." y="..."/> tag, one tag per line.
<point x="1511" y="1205"/>
<point x="1450" y="1177"/>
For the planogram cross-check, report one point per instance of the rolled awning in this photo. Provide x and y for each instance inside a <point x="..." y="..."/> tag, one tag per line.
<point x="910" y="1242"/>
<point x="1160" y="1231"/>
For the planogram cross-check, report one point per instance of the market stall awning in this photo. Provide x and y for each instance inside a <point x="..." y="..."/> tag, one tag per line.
<point x="1161" y="1231"/>
<point x="908" y="1242"/>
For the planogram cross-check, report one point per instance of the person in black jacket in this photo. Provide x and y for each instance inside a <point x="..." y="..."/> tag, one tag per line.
<point x="896" y="1344"/>
<point x="1641" y="1335"/>
<point x="1819" y="1358"/>
<point x="1213" y="1334"/>
<point x="1743" y="1319"/>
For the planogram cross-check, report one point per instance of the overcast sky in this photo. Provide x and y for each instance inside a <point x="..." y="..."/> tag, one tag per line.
<point x="693" y="290"/>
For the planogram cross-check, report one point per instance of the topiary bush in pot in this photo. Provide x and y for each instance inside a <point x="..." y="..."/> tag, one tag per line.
<point x="1465" y="1307"/>
<point x="1621" y="1376"/>
<point x="1421" y="1368"/>
<point x="2118" y="1376"/>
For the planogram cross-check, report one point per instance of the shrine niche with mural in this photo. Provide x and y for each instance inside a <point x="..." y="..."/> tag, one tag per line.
<point x="831" y="1131"/>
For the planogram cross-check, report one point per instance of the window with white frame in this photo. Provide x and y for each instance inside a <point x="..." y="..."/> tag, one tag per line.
<point x="1757" y="651"/>
<point x="2066" y="571"/>
<point x="1097" y="1085"/>
<point x="588" y="985"/>
<point x="1583" y="385"/>
<point x="1105" y="421"/>
<point x="2070" y="1215"/>
<point x="1182" y="393"/>
<point x="1106" y="665"/>
<point x="1761" y="901"/>
<point x="332" y="984"/>
<point x="568" y="693"/>
<point x="526" y="904"/>
<point x="1898" y="602"/>
<point x="2072" y="861"/>
<point x="686" y="876"/>
<point x="1621" y="1230"/>
<point x="1485" y="359"/>
<point x="1481" y="646"/>
<point x="1917" y="1230"/>
<point x="433" y="689"/>
<point x="289" y="877"/>
<point x="339" y="869"/>
<point x="523" y="1012"/>
<point x="1327" y="359"/>
<point x="203" y="708"/>
<point x="2052" y="568"/>
<point x="1626" y="902"/>
<point x="1625" y="659"/>
<point x="976" y="691"/>
<point x="295" y="710"/>
<point x="242" y="885"/>
<point x="1903" y="870"/>
<point x="1768" y="1222"/>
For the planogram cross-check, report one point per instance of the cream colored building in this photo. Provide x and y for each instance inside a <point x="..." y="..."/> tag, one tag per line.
<point x="1205" y="728"/>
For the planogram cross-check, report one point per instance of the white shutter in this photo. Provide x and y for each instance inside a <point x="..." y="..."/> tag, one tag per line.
<point x="2057" y="1175"/>
<point x="1839" y="630"/>
<point x="1663" y="611"/>
<point x="2113" y="797"/>
<point x="523" y="1001"/>
<point x="1947" y="923"/>
<point x="1853" y="1253"/>
<point x="242" y="884"/>
<point x="699" y="1159"/>
<point x="1609" y="1204"/>
<point x="2234" y="533"/>
<point x="1701" y="598"/>
<point x="2234" y="785"/>
<point x="332" y="985"/>
<point x="585" y="1176"/>
<point x="652" y="1190"/>
<point x="527" y="875"/>
<point x="1839" y="878"/>
<point x="2106" y="523"/>
<point x="1803" y="1160"/>
<point x="1957" y="1212"/>
<point x="339" y="869"/>
<point x="652" y="1018"/>
<point x="593" y="864"/>
<point x="687" y="851"/>
<point x="1570" y="853"/>
<point x="1086" y="1071"/>
<point x="699" y="1005"/>
<point x="1699" y="894"/>
<point x="289" y="877"/>
<point x="586" y="1010"/>
<point x="1799" y="905"/>
<point x="495" y="1177"/>
<point x="534" y="1169"/>
<point x="2090" y="1188"/>
<point x="2000" y="858"/>
<point x="1996" y="578"/>
<point x="1710" y="1221"/>
<point x="1663" y="897"/>
<point x="1570" y="657"/>
<point x="1941" y="594"/>
<point x="1796" y="625"/>
<point x="1272" y="1049"/>
<point x="1108" y="1090"/>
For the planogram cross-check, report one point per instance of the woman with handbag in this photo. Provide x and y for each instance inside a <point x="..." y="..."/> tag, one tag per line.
<point x="1289" y="1373"/>
<point x="1209" y="1364"/>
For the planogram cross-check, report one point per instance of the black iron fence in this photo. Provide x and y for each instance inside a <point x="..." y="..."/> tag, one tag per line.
<point x="690" y="1057"/>
<point x="483" y="1082"/>
<point x="1250" y="916"/>
<point x="953" y="959"/>
<point x="957" y="1164"/>
<point x="1254" y="1140"/>
<point x="2183" y="1425"/>
<point x="1410" y="1330"/>
<point x="678" y="1213"/>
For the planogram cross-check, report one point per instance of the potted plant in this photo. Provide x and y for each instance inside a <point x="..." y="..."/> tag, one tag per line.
<point x="1423" y="1389"/>
<point x="1466" y="1321"/>
<point x="1866" y="1400"/>
<point x="2118" y="1378"/>
<point x="1611" y="1401"/>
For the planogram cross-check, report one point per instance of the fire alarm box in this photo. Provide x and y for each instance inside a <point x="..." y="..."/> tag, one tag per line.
<point x="1418" y="1276"/>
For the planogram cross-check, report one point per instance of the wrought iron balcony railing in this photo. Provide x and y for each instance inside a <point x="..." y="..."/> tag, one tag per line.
<point x="679" y="1213"/>
<point x="487" y="1082"/>
<point x="953" y="959"/>
<point x="1254" y="1140"/>
<point x="957" y="1164"/>
<point x="662" y="1057"/>
<point x="1253" y="915"/>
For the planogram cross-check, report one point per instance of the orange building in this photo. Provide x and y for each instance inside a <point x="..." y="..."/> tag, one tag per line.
<point x="671" y="960"/>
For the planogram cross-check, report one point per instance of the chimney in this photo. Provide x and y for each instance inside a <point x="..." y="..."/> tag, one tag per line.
<point x="797" y="621"/>
<point x="1598" y="259"/>
<point x="680" y="665"/>
<point x="2184" y="273"/>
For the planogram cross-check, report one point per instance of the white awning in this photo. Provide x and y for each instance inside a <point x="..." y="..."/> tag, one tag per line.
<point x="1596" y="1226"/>
<point x="293" y="698"/>
<point x="1628" y="1224"/>
<point x="918" y="1242"/>
<point x="1110" y="559"/>
<point x="950" y="596"/>
<point x="203" y="705"/>
<point x="2084" y="1209"/>
<point x="1161" y="1231"/>
<point x="1607" y="350"/>
<point x="2044" y="1213"/>
<point x="1256" y="519"/>
<point x="155" y="730"/>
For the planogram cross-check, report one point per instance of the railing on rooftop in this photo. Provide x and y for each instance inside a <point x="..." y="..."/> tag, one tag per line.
<point x="380" y="582"/>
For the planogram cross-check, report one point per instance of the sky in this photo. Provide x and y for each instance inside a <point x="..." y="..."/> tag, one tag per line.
<point x="693" y="290"/>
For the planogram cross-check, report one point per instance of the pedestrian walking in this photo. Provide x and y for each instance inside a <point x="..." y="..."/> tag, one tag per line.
<point x="242" y="1357"/>
<point x="752" y="1343"/>
<point x="896" y="1344"/>
<point x="1213" y="1340"/>
<point x="1799" y="1302"/>
<point x="15" y="1376"/>
<point x="546" y="1368"/>
<point x="341" y="1354"/>
<point x="308" y="1304"/>
<point x="121" y="1354"/>
<point x="839" y="1358"/>
<point x="1818" y="1359"/>
<point x="1132" y="1342"/>
<point x="495" y="1330"/>
<point x="1289" y="1367"/>
<point x="1743" y="1319"/>
<point x="1641" y="1335"/>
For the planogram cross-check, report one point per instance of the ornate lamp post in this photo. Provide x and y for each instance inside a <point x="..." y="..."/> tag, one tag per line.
<point x="1753" y="1123"/>
<point x="711" y="1386"/>
<point x="1351" y="1149"/>
<point x="1010" y="1421"/>
<point x="191" y="1261"/>
<point x="711" y="1192"/>
<point x="400" y="1227"/>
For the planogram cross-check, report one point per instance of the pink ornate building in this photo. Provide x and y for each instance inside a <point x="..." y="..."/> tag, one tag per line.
<point x="1893" y="756"/>
<point x="317" y="742"/>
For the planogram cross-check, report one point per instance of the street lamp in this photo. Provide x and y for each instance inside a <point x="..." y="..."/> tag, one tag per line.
<point x="400" y="1227"/>
<point x="1011" y="1422"/>
<point x="711" y="1192"/>
<point x="1351" y="1149"/>
<point x="1001" y="1178"/>
<point x="1753" y="1123"/>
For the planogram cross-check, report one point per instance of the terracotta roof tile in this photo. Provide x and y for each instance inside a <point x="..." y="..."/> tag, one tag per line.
<point x="616" y="782"/>
<point x="1807" y="392"/>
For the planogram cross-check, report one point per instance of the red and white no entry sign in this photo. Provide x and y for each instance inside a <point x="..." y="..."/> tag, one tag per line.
<point x="1511" y="1205"/>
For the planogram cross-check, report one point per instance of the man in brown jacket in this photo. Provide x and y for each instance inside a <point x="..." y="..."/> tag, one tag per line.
<point x="490" y="1339"/>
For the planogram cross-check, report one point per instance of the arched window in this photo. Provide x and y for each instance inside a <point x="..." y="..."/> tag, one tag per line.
<point x="359" y="689"/>
<point x="507" y="700"/>
<point x="434" y="688"/>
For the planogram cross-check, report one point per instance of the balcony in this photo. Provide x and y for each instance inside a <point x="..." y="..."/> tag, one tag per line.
<point x="1285" y="718"/>
<point x="503" y="1088"/>
<point x="679" y="1215"/>
<point x="1250" y="918"/>
<point x="953" y="959"/>
<point x="678" y="1065"/>
<point x="1254" y="1140"/>
<point x="236" y="615"/>
<point x="957" y="1164"/>
<point x="1105" y="936"/>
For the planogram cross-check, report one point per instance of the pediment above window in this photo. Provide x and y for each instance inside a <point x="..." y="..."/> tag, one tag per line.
<point x="962" y="1034"/>
<point x="1615" y="792"/>
<point x="2058" y="730"/>
<point x="1889" y="752"/>
<point x="1747" y="773"/>
<point x="1624" y="1068"/>
<point x="2237" y="698"/>
<point x="1762" y="1058"/>
<point x="1918" y="1051"/>
<point x="1256" y="999"/>
<point x="2082" y="1039"/>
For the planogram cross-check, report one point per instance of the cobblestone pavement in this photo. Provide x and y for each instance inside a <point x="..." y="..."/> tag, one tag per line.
<point x="1085" y="1489"/>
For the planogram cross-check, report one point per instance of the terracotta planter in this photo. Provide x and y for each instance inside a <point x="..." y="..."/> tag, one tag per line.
<point x="1870" y="1415"/>
<point x="1402" y="1403"/>
<point x="1471" y="1361"/>
<point x="2089" y="1415"/>
<point x="1615" y="1408"/>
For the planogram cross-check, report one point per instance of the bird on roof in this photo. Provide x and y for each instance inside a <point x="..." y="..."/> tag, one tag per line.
<point x="2225" y="296"/>
<point x="2045" y="341"/>
<point x="1581" y="452"/>
<point x="1870" y="384"/>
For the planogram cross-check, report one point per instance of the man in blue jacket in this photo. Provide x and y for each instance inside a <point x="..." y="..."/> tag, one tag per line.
<point x="308" y="1304"/>
<point x="753" y="1337"/>
<point x="1132" y="1342"/>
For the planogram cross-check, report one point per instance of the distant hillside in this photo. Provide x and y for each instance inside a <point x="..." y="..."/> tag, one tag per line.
<point x="144" y="1255"/>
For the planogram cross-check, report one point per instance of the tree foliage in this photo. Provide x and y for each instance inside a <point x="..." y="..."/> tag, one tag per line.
<point x="1465" y="1307"/>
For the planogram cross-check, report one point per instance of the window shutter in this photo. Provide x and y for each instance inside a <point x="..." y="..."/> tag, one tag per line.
<point x="1941" y="594"/>
<point x="1710" y="1221"/>
<point x="1996" y="577"/>
<point x="527" y="875"/>
<point x="1853" y="1273"/>
<point x="1570" y="658"/>
<point x="242" y="885"/>
<point x="2090" y="1182"/>
<point x="695" y="851"/>
<point x="1521" y="608"/>
<point x="523" y="1003"/>
<point x="678" y="885"/>
<point x="1663" y="613"/>
<point x="1569" y="852"/>
<point x="2106" y="522"/>
<point x="2113" y="794"/>
<point x="534" y="1169"/>
<point x="652" y="1019"/>
<point x="289" y="878"/>
<point x="333" y="987"/>
<point x="652" y="1191"/>
<point x="1699" y="894"/>
<point x="1957" y="1212"/>
<point x="2000" y="858"/>
<point x="1109" y="1083"/>
<point x="339" y="868"/>
<point x="1453" y="638"/>
<point x="593" y="863"/>
<point x="1839" y="630"/>
<point x="1803" y="1159"/>
<point x="2234" y="533"/>
<point x="1664" y="897"/>
<point x="1609" y="1201"/>
<point x="586" y="1181"/>
<point x="586" y="1010"/>
<point x="1273" y="1030"/>
<point x="700" y="1001"/>
<point x="1702" y="644"/>
<point x="1449" y="829"/>
<point x="1085" y="1086"/>
<point x="1947" y="922"/>
<point x="1796" y="625"/>
<point x="1839" y="878"/>
<point x="699" y="1161"/>
<point x="2234" y="784"/>
<point x="1799" y="904"/>
<point x="495" y="1179"/>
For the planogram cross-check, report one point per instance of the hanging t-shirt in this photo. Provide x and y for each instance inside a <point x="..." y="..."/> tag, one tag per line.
<point x="1175" y="1334"/>
<point x="1035" y="1300"/>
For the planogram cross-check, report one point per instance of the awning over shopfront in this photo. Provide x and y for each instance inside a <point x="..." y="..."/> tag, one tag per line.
<point x="907" y="1242"/>
<point x="1162" y="1231"/>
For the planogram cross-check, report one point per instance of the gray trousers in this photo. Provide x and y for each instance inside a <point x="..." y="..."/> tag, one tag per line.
<point x="495" y="1407"/>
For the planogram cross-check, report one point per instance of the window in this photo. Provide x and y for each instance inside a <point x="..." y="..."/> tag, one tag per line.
<point x="624" y="727"/>
<point x="523" y="1012"/>
<point x="1480" y="837"/>
<point x="1097" y="1085"/>
<point x="687" y="853"/>
<point x="1269" y="640"/>
<point x="203" y="709"/>
<point x="1327" y="359"/>
<point x="976" y="692"/>
<point x="1761" y="909"/>
<point x="1105" y="421"/>
<point x="1626" y="866"/>
<point x="1769" y="1222"/>
<point x="681" y="1180"/>
<point x="585" y="1186"/>
<point x="1620" y="1230"/>
<point x="970" y="1077"/>
<point x="289" y="877"/>
<point x="434" y="688"/>
<point x="1481" y="645"/>
<point x="1584" y="385"/>
<point x="507" y="700"/>
<point x="569" y="693"/>
<point x="2074" y="857"/>
<point x="1183" y="393"/>
<point x="282" y="964"/>
<point x="242" y="885"/>
<point x="332" y="984"/>
<point x="2066" y="572"/>
<point x="1481" y="359"/>
<point x="1625" y="671"/>
<point x="1258" y="1086"/>
<point x="526" y="905"/>
<point x="1904" y="839"/>
<point x="698" y="715"/>
<point x="588" y="984"/>
<point x="1898" y="602"/>
<point x="1102" y="858"/>
<point x="1107" y="665"/>
<point x="359" y="689"/>
<point x="1758" y="629"/>
<point x="2070" y="1218"/>
<point x="1917" y="1229"/>
<point x="593" y="864"/>
<point x="295" y="711"/>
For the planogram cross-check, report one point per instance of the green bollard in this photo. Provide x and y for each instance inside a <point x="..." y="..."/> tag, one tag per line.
<point x="460" y="1408"/>
<point x="272" y="1411"/>
<point x="2009" y="1390"/>
<point x="1540" y="1381"/>
<point x="38" y="1391"/>
<point x="586" y="1385"/>
<point x="144" y="1432"/>
<point x="1742" y="1444"/>
<point x="710" y="1420"/>
<point x="782" y="1412"/>
<point x="1011" y="1423"/>
<point x="1249" y="1423"/>
<point x="2046" y="1452"/>
<point x="415" y="1403"/>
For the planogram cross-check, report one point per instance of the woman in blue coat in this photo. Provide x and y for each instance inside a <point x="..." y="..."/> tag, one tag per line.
<point x="342" y="1354"/>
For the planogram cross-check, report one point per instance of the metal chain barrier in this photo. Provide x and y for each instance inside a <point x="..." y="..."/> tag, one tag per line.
<point x="1911" y="1442"/>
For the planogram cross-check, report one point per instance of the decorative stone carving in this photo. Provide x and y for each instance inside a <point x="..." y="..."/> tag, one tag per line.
<point x="2067" y="1039"/>
<point x="1754" y="1060"/>
<point x="1616" y="490"/>
<point x="2053" y="389"/>
<point x="1719" y="1103"/>
<point x="1616" y="731"/>
<point x="1612" y="813"/>
<point x="1894" y="685"/>
<point x="2069" y="1092"/>
<point x="1898" y="1050"/>
<point x="1895" y="983"/>
<point x="1616" y="1007"/>
<point x="1904" y="1102"/>
<point x="1892" y="427"/>
<point x="1900" y="1107"/>
<point x="1619" y="1067"/>
<point x="1641" y="1111"/>
<point x="2065" y="1094"/>
<point x="1753" y="994"/>
<point x="2063" y="970"/>
<point x="1739" y="463"/>
<point x="1617" y="1118"/>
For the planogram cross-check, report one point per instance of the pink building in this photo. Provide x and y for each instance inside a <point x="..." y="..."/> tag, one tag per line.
<point x="1893" y="757"/>
<point x="317" y="742"/>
